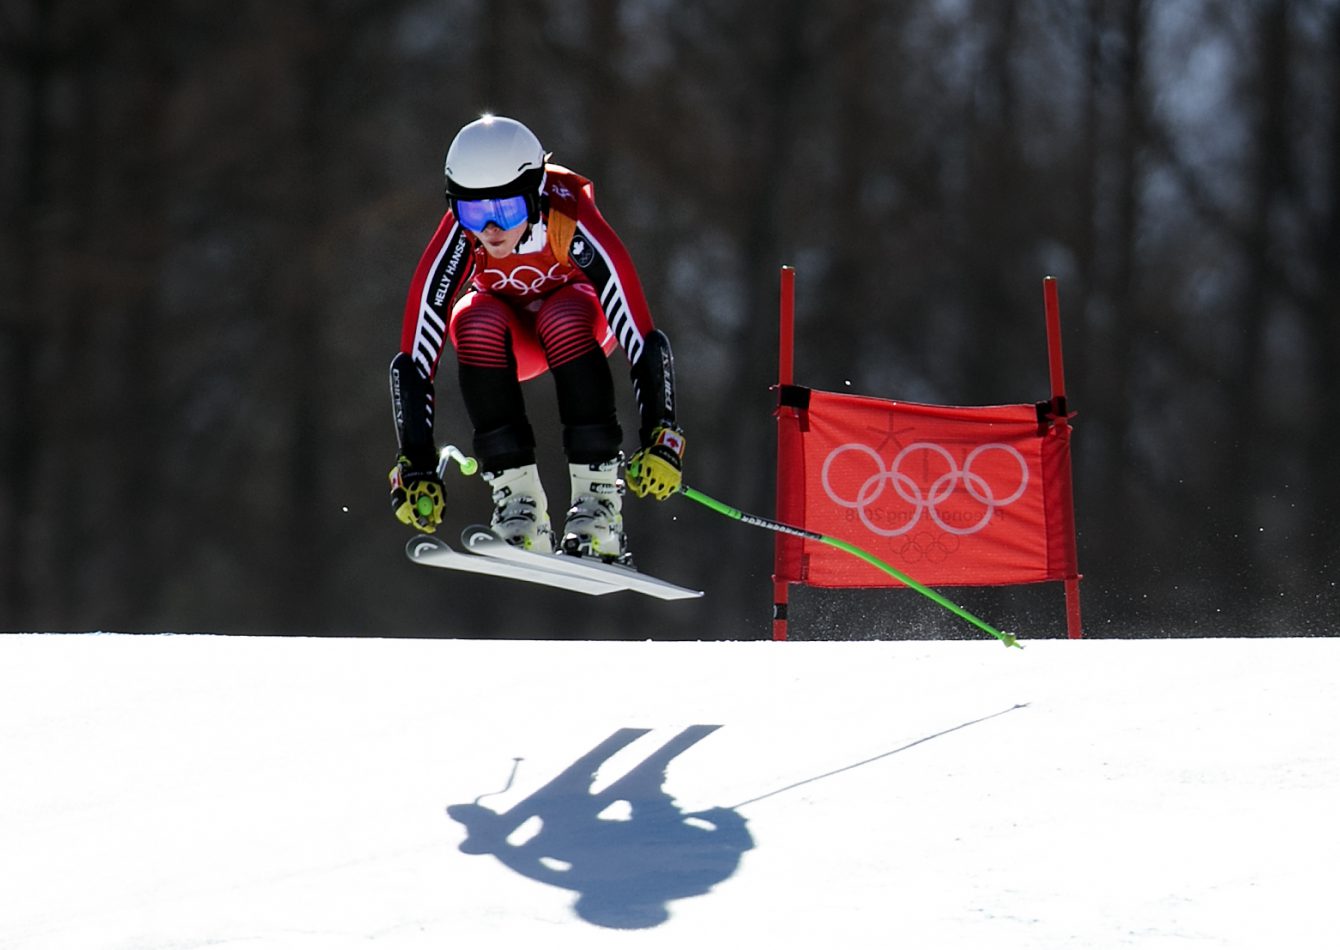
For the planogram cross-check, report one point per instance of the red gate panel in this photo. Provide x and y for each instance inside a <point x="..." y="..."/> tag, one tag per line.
<point x="953" y="496"/>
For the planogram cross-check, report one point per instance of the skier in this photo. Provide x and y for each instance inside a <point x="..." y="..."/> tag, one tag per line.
<point x="524" y="275"/>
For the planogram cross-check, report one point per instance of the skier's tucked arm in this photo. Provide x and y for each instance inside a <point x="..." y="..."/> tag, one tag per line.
<point x="416" y="490"/>
<point x="655" y="469"/>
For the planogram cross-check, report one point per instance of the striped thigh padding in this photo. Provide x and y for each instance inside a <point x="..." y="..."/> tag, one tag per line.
<point x="567" y="324"/>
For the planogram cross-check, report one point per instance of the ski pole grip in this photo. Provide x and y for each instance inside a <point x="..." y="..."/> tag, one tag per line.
<point x="449" y="453"/>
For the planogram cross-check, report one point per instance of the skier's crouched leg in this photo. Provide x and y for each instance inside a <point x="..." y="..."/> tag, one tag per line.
<point x="520" y="508"/>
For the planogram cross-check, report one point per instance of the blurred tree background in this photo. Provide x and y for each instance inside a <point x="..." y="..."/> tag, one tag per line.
<point x="211" y="213"/>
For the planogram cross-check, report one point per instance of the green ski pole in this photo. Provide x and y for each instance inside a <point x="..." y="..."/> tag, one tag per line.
<point x="735" y="513"/>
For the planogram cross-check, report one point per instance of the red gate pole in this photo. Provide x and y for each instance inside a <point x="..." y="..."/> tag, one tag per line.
<point x="781" y="589"/>
<point x="1051" y="302"/>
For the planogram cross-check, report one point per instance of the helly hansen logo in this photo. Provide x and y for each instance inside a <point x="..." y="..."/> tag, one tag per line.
<point x="448" y="273"/>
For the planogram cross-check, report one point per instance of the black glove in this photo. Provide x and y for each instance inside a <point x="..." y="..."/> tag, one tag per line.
<point x="417" y="496"/>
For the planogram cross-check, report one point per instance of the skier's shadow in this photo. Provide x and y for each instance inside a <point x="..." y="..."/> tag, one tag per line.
<point x="627" y="851"/>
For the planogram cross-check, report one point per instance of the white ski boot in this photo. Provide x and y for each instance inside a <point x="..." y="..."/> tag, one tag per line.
<point x="521" y="511"/>
<point x="594" y="526"/>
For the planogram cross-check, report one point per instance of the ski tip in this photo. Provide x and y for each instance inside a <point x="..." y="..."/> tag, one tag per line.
<point x="477" y="534"/>
<point x="422" y="544"/>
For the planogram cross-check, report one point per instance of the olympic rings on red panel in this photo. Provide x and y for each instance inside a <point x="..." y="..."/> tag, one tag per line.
<point x="928" y="500"/>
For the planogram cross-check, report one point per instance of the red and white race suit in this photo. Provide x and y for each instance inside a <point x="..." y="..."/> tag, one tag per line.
<point x="571" y="246"/>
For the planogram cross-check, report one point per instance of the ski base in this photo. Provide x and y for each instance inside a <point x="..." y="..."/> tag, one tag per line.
<point x="481" y="540"/>
<point x="434" y="552"/>
<point x="489" y="554"/>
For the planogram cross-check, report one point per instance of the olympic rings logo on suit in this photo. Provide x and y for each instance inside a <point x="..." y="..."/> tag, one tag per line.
<point x="925" y="501"/>
<point x="519" y="279"/>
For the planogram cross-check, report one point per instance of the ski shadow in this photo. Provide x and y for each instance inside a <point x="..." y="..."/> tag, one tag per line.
<point x="626" y="851"/>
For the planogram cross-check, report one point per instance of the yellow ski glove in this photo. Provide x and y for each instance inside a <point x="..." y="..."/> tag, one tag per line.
<point x="417" y="497"/>
<point x="657" y="469"/>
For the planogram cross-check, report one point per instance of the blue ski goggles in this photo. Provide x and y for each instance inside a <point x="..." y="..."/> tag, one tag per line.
<point x="506" y="213"/>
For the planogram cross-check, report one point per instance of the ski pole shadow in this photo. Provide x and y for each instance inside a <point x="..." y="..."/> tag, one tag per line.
<point x="883" y="755"/>
<point x="626" y="851"/>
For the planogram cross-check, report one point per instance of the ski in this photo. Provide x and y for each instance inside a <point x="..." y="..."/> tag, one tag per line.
<point x="480" y="540"/>
<point x="434" y="552"/>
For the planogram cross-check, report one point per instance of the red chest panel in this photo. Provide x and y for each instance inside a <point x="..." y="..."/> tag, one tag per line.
<point x="532" y="271"/>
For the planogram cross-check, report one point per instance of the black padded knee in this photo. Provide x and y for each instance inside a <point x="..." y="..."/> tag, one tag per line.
<point x="592" y="444"/>
<point x="585" y="390"/>
<point x="509" y="446"/>
<point x="492" y="397"/>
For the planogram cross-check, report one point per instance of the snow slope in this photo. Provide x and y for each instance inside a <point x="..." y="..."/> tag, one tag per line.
<point x="188" y="791"/>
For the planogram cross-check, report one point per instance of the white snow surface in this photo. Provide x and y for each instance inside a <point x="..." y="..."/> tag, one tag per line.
<point x="286" y="794"/>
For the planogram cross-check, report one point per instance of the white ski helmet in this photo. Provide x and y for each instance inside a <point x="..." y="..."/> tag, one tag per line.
<point x="495" y="157"/>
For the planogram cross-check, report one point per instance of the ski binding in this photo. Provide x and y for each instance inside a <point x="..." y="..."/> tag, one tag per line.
<point x="481" y="540"/>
